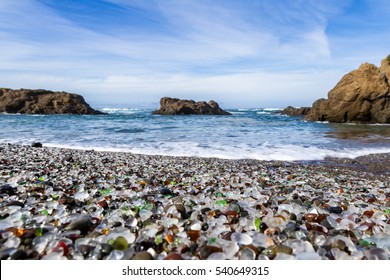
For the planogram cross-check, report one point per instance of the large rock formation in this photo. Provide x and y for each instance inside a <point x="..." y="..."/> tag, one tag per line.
<point x="27" y="101"/>
<point x="175" y="106"/>
<point x="295" y="112"/>
<point x="361" y="96"/>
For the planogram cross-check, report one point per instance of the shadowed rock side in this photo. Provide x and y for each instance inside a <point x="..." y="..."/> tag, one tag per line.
<point x="295" y="112"/>
<point x="361" y="96"/>
<point x="175" y="106"/>
<point x="27" y="101"/>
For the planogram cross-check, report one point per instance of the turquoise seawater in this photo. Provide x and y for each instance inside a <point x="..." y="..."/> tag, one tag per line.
<point x="246" y="134"/>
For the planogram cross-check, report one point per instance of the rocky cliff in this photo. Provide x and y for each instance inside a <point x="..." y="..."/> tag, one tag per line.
<point x="361" y="96"/>
<point x="26" y="101"/>
<point x="175" y="106"/>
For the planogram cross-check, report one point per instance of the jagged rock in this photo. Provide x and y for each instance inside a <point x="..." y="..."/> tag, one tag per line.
<point x="36" y="145"/>
<point x="361" y="96"/>
<point x="175" y="106"/>
<point x="27" y="101"/>
<point x="294" y="112"/>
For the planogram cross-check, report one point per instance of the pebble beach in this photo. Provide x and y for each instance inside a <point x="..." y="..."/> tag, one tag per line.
<point x="58" y="204"/>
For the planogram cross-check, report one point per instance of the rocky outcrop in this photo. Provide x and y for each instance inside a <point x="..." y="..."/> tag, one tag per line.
<point x="175" y="106"/>
<point x="361" y="96"/>
<point x="295" y="112"/>
<point x="27" y="101"/>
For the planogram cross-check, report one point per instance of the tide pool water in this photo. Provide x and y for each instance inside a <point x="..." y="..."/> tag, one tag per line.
<point x="246" y="134"/>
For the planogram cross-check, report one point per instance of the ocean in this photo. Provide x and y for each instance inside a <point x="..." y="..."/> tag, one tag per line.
<point x="246" y="134"/>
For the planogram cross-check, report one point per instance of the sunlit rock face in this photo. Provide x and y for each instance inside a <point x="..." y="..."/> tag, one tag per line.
<point x="27" y="101"/>
<point x="361" y="96"/>
<point x="175" y="106"/>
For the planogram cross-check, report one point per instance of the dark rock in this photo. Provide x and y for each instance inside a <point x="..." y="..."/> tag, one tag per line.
<point x="36" y="145"/>
<point x="67" y="200"/>
<point x="205" y="251"/>
<point x="143" y="255"/>
<point x="106" y="248"/>
<point x="7" y="189"/>
<point x="19" y="255"/>
<point x="165" y="191"/>
<point x="336" y="209"/>
<point x="6" y="253"/>
<point x="295" y="112"/>
<point x="180" y="208"/>
<point x="361" y="96"/>
<point x="290" y="230"/>
<point x="173" y="256"/>
<point x="27" y="101"/>
<point x="175" y="106"/>
<point x="85" y="249"/>
<point x="15" y="203"/>
<point x="82" y="222"/>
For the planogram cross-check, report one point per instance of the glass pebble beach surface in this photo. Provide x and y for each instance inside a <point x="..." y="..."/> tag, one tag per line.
<point x="58" y="204"/>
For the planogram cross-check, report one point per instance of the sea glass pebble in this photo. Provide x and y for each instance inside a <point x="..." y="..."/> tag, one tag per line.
<point x="241" y="238"/>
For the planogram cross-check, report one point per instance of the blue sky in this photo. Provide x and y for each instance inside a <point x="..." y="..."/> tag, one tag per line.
<point x="242" y="53"/>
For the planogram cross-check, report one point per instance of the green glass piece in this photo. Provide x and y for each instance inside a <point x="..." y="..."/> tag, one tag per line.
<point x="120" y="243"/>
<point x="221" y="202"/>
<point x="213" y="239"/>
<point x="24" y="218"/>
<point x="172" y="183"/>
<point x="38" y="232"/>
<point x="158" y="240"/>
<point x="218" y="194"/>
<point x="44" y="212"/>
<point x="106" y="191"/>
<point x="364" y="242"/>
<point x="387" y="211"/>
<point x="41" y="178"/>
<point x="257" y="223"/>
<point x="148" y="206"/>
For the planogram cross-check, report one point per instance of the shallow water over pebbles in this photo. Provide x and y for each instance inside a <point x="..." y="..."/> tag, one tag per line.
<point x="75" y="204"/>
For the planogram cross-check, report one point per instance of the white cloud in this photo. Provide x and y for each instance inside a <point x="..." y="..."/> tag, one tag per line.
<point x="203" y="35"/>
<point x="257" y="89"/>
<point x="233" y="51"/>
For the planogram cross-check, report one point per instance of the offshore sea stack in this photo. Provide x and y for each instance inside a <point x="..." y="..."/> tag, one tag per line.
<point x="175" y="106"/>
<point x="295" y="112"/>
<point x="361" y="96"/>
<point x="27" y="101"/>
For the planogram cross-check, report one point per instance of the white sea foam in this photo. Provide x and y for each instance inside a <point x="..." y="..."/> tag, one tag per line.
<point x="263" y="112"/>
<point x="264" y="152"/>
<point x="272" y="109"/>
<point x="236" y="113"/>
<point x="124" y="111"/>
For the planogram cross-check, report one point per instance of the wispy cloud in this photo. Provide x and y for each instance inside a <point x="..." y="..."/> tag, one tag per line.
<point x="145" y="49"/>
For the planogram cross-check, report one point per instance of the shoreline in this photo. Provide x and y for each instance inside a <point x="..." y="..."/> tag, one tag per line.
<point x="61" y="203"/>
<point x="376" y="163"/>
